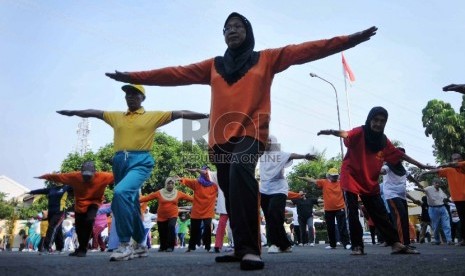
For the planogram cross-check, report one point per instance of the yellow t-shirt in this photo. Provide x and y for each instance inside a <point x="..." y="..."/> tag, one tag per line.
<point x="134" y="131"/>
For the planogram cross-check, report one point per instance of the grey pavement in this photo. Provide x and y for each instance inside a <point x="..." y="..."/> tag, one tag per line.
<point x="433" y="260"/>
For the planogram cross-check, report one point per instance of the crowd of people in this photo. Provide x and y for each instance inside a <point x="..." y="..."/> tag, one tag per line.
<point x="240" y="82"/>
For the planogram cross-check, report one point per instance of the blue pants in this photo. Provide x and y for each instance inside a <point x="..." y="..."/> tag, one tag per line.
<point x="130" y="170"/>
<point x="440" y="217"/>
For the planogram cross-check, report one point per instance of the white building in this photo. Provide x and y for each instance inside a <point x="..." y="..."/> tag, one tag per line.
<point x="12" y="189"/>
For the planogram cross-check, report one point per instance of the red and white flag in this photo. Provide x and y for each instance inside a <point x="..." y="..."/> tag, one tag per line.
<point x="346" y="69"/>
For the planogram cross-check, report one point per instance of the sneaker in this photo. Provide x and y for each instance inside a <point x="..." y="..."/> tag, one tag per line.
<point x="94" y="250"/>
<point x="287" y="250"/>
<point x="123" y="253"/>
<point x="141" y="251"/>
<point x="348" y="246"/>
<point x="312" y="244"/>
<point x="273" y="249"/>
<point x="77" y="253"/>
<point x="330" y="247"/>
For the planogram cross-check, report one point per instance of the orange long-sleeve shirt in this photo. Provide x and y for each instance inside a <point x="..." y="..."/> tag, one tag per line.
<point x="293" y="195"/>
<point x="243" y="108"/>
<point x="204" y="199"/>
<point x="166" y="208"/>
<point x="85" y="194"/>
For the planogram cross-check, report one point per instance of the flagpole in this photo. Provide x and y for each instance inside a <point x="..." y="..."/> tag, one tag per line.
<point x="347" y="101"/>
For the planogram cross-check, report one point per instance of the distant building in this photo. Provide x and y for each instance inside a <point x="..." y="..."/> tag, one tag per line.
<point x="12" y="189"/>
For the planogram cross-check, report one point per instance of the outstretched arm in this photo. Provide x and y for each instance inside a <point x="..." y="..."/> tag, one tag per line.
<point x="455" y="87"/>
<point x="307" y="156"/>
<point x="433" y="171"/>
<point x="187" y="114"/>
<point x="416" y="163"/>
<point x="83" y="113"/>
<point x="308" y="179"/>
<point x="337" y="133"/>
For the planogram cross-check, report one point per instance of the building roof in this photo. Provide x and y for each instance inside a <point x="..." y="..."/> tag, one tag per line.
<point x="11" y="188"/>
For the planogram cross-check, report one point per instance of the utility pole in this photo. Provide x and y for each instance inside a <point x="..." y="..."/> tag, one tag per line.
<point x="83" y="145"/>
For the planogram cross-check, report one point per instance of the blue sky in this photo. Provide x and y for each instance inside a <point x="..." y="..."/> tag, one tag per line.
<point x="54" y="55"/>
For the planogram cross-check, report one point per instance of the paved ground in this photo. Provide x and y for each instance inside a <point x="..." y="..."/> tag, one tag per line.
<point x="433" y="260"/>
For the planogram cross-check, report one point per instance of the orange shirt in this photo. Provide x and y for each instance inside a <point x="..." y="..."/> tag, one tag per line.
<point x="85" y="194"/>
<point x="166" y="208"/>
<point x="204" y="198"/>
<point x="332" y="194"/>
<point x="243" y="108"/>
<point x="456" y="180"/>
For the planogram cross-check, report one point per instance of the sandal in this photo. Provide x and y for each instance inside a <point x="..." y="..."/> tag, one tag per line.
<point x="357" y="251"/>
<point x="405" y="250"/>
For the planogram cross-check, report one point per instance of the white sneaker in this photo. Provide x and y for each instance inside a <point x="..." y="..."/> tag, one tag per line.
<point x="348" y="246"/>
<point x="123" y="253"/>
<point x="140" y="251"/>
<point x="330" y="247"/>
<point x="273" y="249"/>
<point x="312" y="244"/>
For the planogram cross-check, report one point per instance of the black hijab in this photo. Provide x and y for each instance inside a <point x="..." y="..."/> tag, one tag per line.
<point x="374" y="141"/>
<point x="398" y="168"/>
<point x="236" y="62"/>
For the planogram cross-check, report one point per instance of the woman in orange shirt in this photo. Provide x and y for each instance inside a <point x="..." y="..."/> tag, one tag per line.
<point x="240" y="83"/>
<point x="167" y="212"/>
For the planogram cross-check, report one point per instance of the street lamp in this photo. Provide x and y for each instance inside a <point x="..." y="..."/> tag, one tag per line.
<point x="313" y="75"/>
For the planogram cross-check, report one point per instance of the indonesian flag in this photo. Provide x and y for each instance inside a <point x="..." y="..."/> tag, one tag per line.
<point x="346" y="69"/>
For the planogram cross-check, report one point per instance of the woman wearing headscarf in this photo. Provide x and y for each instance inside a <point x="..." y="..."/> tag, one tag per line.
<point x="367" y="149"/>
<point x="167" y="212"/>
<point x="240" y="83"/>
<point x="203" y="207"/>
<point x="274" y="191"/>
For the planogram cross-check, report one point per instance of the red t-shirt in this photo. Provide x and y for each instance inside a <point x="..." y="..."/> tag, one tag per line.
<point x="361" y="167"/>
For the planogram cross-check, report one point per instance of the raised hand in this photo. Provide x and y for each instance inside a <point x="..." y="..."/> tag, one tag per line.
<point x="325" y="132"/>
<point x="66" y="112"/>
<point x="119" y="76"/>
<point x="309" y="156"/>
<point x="362" y="36"/>
<point x="455" y="87"/>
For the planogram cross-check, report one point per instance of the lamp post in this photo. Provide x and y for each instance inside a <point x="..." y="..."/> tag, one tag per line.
<point x="313" y="75"/>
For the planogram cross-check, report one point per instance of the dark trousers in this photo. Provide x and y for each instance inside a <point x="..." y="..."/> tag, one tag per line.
<point x="235" y="162"/>
<point x="306" y="230"/>
<point x="376" y="210"/>
<point x="399" y="215"/>
<point x="460" y="205"/>
<point x="340" y="217"/>
<point x="273" y="207"/>
<point x="201" y="232"/>
<point x="84" y="225"/>
<point x="297" y="238"/>
<point x="167" y="233"/>
<point x="54" y="231"/>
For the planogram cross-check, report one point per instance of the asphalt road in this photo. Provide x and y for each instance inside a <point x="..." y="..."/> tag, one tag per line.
<point x="433" y="260"/>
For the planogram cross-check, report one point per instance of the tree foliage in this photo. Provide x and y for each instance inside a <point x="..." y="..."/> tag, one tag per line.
<point x="446" y="127"/>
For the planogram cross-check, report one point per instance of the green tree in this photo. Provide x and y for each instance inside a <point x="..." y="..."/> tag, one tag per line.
<point x="6" y="208"/>
<point x="446" y="127"/>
